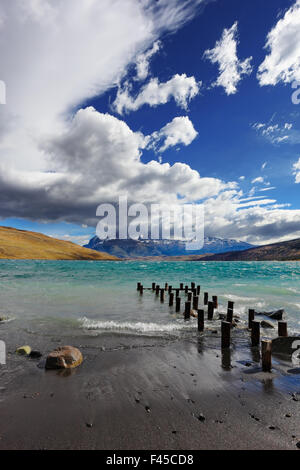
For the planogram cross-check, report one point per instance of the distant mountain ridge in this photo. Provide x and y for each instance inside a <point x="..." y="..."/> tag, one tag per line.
<point x="282" y="251"/>
<point x="151" y="248"/>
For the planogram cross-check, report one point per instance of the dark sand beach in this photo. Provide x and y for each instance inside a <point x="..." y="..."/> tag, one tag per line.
<point x="150" y="393"/>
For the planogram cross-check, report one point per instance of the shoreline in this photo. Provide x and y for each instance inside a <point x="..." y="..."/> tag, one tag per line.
<point x="151" y="393"/>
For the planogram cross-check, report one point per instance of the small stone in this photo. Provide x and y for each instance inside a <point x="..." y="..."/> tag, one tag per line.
<point x="35" y="354"/>
<point x="288" y="415"/>
<point x="272" y="428"/>
<point x="89" y="425"/>
<point x="64" y="357"/>
<point x="23" y="350"/>
<point x="174" y="432"/>
<point x="201" y="417"/>
<point x="147" y="408"/>
<point x="298" y="444"/>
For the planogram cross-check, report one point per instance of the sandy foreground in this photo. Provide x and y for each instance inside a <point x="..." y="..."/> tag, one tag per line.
<point x="150" y="393"/>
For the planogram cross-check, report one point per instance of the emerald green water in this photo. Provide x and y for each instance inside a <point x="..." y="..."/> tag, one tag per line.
<point x="89" y="297"/>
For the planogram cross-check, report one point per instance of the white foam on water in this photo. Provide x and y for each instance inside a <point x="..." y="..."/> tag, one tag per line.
<point x="138" y="327"/>
<point x="236" y="298"/>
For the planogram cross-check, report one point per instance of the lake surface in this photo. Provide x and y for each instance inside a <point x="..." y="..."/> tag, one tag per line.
<point x="93" y="298"/>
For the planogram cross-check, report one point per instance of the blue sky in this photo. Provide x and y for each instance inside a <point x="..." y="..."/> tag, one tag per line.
<point x="246" y="141"/>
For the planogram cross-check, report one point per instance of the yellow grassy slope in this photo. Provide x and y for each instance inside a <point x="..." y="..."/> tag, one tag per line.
<point x="21" y="244"/>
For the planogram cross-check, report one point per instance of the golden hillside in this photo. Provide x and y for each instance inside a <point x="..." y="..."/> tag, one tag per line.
<point x="21" y="244"/>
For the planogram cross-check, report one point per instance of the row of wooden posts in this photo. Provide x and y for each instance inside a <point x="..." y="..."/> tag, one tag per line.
<point x="193" y="294"/>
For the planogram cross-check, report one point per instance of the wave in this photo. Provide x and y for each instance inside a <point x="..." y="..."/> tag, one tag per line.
<point x="135" y="327"/>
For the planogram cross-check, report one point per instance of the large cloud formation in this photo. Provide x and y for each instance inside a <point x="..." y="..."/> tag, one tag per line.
<point x="59" y="159"/>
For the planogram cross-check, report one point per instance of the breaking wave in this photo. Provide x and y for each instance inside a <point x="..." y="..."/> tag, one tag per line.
<point x="134" y="327"/>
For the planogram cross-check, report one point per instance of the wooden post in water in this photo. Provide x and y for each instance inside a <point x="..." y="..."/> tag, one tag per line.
<point x="189" y="297"/>
<point x="225" y="332"/>
<point x="198" y="290"/>
<point x="215" y="301"/>
<point x="195" y="303"/>
<point x="170" y="289"/>
<point x="153" y="286"/>
<point x="138" y="286"/>
<point x="171" y="299"/>
<point x="166" y="286"/>
<point x="282" y="329"/>
<point x="229" y="317"/>
<point x="255" y="333"/>
<point x="186" y="289"/>
<point x="192" y="285"/>
<point x="230" y="305"/>
<point x="177" y="292"/>
<point x="187" y="312"/>
<point x="194" y="291"/>
<point x="266" y="355"/>
<point x="141" y="289"/>
<point x="205" y="300"/>
<point x="251" y="316"/>
<point x="162" y="295"/>
<point x="157" y="289"/>
<point x="178" y="300"/>
<point x="210" y="311"/>
<point x="200" y="320"/>
<point x="181" y="286"/>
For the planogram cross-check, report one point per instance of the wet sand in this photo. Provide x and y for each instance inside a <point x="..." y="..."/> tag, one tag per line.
<point x="150" y="393"/>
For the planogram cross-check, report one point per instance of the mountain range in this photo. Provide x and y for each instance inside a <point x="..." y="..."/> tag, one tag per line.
<point x="283" y="251"/>
<point x="160" y="248"/>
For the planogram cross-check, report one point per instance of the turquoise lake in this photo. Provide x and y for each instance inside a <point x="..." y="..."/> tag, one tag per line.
<point x="91" y="298"/>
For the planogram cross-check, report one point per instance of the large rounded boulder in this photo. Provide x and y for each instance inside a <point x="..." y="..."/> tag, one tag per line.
<point x="64" y="357"/>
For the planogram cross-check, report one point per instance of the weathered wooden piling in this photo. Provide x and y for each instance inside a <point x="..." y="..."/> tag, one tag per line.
<point x="282" y="328"/>
<point x="189" y="297"/>
<point x="138" y="286"/>
<point x="177" y="292"/>
<point x="200" y="320"/>
<point x="215" y="301"/>
<point x="181" y="286"/>
<point x="229" y="316"/>
<point x="162" y="295"/>
<point x="153" y="286"/>
<point x="205" y="300"/>
<point x="194" y="292"/>
<point x="170" y="289"/>
<point x="141" y="289"/>
<point x="192" y="285"/>
<point x="186" y="289"/>
<point x="255" y="333"/>
<point x="166" y="286"/>
<point x="187" y="312"/>
<point x="251" y="316"/>
<point x="171" y="299"/>
<point x="195" y="303"/>
<point x="230" y="305"/>
<point x="266" y="355"/>
<point x="157" y="289"/>
<point x="225" y="334"/>
<point x="178" y="300"/>
<point x="198" y="290"/>
<point x="210" y="311"/>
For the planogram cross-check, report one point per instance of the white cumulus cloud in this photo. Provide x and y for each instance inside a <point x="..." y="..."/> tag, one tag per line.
<point x="180" y="87"/>
<point x="282" y="64"/>
<point x="230" y="67"/>
<point x="179" y="131"/>
<point x="296" y="171"/>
